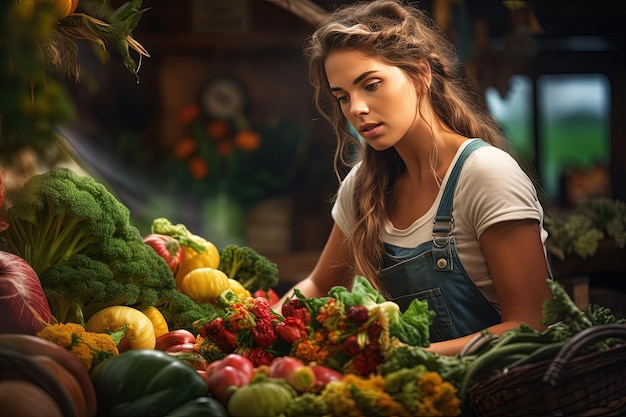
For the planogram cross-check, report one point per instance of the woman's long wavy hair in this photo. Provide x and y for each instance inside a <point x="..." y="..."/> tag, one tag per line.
<point x="404" y="36"/>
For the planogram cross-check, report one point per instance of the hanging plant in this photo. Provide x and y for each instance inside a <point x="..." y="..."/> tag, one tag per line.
<point x="39" y="38"/>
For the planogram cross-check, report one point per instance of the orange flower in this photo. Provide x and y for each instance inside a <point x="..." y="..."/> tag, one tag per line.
<point x="247" y="140"/>
<point x="198" y="167"/>
<point x="188" y="114"/>
<point x="184" y="147"/>
<point x="217" y="129"/>
<point x="310" y="351"/>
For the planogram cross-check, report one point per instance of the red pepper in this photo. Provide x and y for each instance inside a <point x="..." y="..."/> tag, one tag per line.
<point x="350" y="346"/>
<point x="260" y="356"/>
<point x="261" y="308"/>
<point x="296" y="308"/>
<point x="226" y="340"/>
<point x="168" y="248"/>
<point x="263" y="332"/>
<point x="373" y="332"/>
<point x="366" y="361"/>
<point x="212" y="327"/>
<point x="291" y="329"/>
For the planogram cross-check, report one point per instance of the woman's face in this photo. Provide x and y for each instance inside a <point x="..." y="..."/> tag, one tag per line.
<point x="379" y="100"/>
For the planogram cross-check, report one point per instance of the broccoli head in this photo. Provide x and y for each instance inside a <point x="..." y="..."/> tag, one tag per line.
<point x="58" y="214"/>
<point x="253" y="270"/>
<point x="78" y="238"/>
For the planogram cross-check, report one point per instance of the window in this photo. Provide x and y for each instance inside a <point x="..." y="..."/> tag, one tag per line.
<point x="514" y="113"/>
<point x="574" y="133"/>
<point x="572" y="120"/>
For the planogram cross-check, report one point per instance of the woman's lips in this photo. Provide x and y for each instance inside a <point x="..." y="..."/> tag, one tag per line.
<point x="370" y="129"/>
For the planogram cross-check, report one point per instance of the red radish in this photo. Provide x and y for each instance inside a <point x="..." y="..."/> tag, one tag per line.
<point x="324" y="375"/>
<point x="23" y="305"/>
<point x="294" y="372"/>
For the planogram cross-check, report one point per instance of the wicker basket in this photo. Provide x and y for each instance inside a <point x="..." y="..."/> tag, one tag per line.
<point x="592" y="384"/>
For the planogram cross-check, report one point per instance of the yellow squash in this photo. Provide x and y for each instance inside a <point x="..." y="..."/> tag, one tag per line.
<point x="157" y="319"/>
<point x="204" y="285"/>
<point x="193" y="259"/>
<point x="139" y="328"/>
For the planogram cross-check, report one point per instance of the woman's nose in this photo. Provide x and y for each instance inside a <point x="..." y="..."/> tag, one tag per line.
<point x="358" y="106"/>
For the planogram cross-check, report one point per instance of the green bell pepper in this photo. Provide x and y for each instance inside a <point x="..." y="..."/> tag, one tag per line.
<point x="143" y="382"/>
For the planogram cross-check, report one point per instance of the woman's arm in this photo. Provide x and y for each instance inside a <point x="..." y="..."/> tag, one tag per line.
<point x="516" y="261"/>
<point x="331" y="269"/>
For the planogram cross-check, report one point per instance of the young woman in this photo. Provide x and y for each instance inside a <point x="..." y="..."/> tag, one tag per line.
<point x="433" y="206"/>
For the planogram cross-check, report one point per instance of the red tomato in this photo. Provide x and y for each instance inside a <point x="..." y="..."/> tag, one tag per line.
<point x="294" y="372"/>
<point x="232" y="370"/>
<point x="238" y="362"/>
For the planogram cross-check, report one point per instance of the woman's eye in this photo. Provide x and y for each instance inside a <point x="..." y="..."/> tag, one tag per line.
<point x="342" y="99"/>
<point x="372" y="86"/>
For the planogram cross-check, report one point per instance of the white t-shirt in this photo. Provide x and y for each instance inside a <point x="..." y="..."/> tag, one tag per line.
<point x="492" y="188"/>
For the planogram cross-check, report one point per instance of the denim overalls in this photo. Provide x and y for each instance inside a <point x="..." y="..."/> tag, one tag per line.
<point x="432" y="272"/>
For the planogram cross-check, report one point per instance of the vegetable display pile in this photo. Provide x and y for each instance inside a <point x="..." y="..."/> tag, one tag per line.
<point x="100" y="321"/>
<point x="580" y="231"/>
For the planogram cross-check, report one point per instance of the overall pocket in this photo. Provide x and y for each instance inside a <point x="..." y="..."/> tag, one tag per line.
<point x="441" y="322"/>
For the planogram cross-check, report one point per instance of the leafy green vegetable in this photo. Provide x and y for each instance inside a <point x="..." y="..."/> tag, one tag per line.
<point x="560" y="310"/>
<point x="244" y="264"/>
<point x="411" y="327"/>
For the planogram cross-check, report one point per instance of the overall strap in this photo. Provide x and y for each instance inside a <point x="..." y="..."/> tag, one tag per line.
<point x="443" y="223"/>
